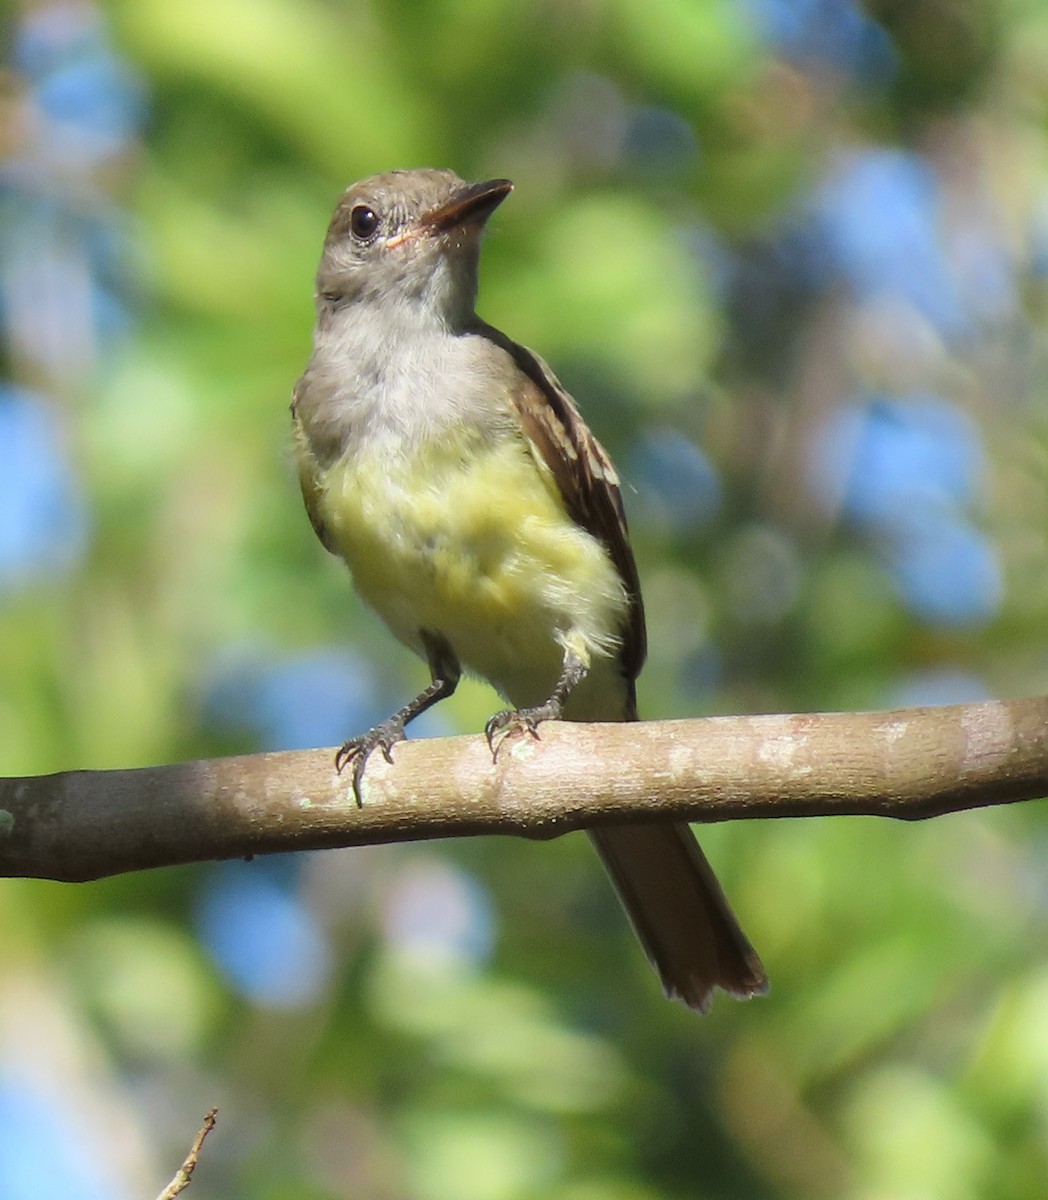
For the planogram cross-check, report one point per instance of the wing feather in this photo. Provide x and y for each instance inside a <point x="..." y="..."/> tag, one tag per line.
<point x="585" y="475"/>
<point x="308" y="477"/>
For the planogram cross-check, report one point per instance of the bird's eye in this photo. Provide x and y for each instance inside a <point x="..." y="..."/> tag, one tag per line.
<point x="363" y="222"/>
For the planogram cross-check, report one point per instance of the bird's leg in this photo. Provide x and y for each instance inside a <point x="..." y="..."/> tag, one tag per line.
<point x="444" y="672"/>
<point x="511" y="720"/>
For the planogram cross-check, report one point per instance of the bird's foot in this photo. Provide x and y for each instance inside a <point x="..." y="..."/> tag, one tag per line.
<point x="359" y="749"/>
<point x="518" y="720"/>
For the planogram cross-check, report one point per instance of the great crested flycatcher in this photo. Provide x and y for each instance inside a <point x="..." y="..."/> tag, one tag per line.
<point x="483" y="522"/>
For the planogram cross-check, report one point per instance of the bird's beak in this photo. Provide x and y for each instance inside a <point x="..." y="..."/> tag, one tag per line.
<point x="470" y="205"/>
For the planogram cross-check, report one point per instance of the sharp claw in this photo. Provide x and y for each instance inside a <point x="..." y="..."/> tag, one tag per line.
<point x="490" y="730"/>
<point x="504" y="724"/>
<point x="498" y="728"/>
<point x="358" y="779"/>
<point x="359" y="749"/>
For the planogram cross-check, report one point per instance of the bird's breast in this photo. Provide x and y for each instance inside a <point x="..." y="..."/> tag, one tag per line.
<point x="465" y="534"/>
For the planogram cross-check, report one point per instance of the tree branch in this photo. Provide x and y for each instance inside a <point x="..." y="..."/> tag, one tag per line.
<point x="910" y="764"/>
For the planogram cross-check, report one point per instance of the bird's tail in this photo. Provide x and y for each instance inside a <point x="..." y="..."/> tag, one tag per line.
<point x="679" y="911"/>
<point x="676" y="905"/>
<point x="670" y="893"/>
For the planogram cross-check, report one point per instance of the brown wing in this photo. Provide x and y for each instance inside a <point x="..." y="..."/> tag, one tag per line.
<point x="308" y="480"/>
<point x="585" y="475"/>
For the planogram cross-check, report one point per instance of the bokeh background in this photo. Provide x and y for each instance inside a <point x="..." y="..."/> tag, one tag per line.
<point x="791" y="256"/>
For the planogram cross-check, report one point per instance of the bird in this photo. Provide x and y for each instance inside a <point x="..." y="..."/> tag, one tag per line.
<point x="481" y="519"/>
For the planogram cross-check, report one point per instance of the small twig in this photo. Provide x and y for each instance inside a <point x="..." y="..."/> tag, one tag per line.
<point x="185" y="1172"/>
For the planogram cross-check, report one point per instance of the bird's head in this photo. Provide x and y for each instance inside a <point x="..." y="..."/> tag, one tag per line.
<point x="408" y="240"/>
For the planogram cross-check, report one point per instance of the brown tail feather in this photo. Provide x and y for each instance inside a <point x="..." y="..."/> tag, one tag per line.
<point x="679" y="912"/>
<point x="669" y="890"/>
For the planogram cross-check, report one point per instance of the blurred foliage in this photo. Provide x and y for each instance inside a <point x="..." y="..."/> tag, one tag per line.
<point x="791" y="258"/>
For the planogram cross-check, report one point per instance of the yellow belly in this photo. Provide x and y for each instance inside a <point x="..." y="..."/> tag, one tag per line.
<point x="473" y="542"/>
